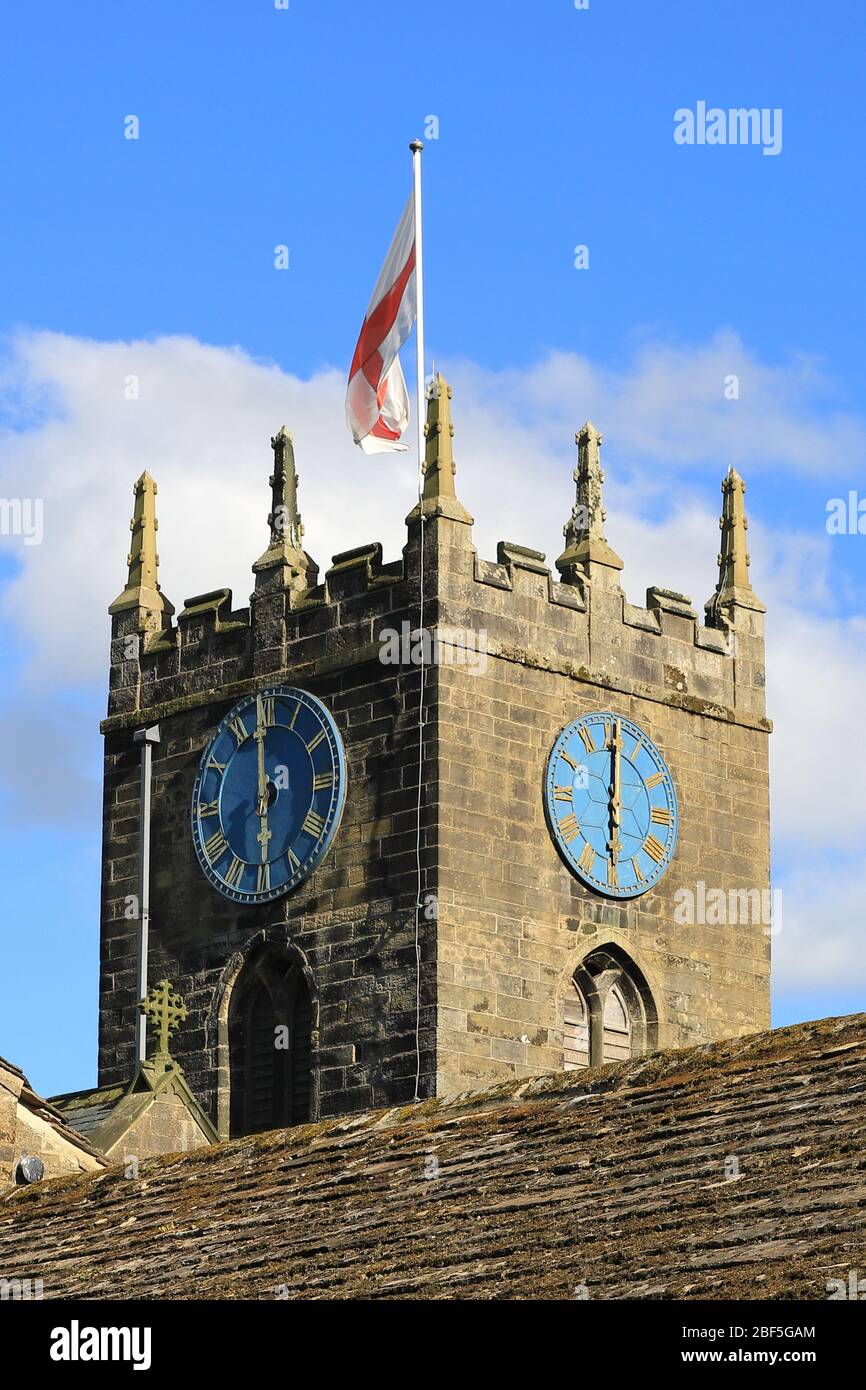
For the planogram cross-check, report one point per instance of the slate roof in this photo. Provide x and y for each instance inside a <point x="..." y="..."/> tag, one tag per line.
<point x="613" y="1179"/>
<point x="108" y="1113"/>
<point x="87" y="1110"/>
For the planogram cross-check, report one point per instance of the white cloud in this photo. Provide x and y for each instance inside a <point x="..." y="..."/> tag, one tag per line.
<point x="821" y="942"/>
<point x="202" y="426"/>
<point x="667" y="406"/>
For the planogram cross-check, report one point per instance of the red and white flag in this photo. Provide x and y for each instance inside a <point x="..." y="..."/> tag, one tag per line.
<point x="377" y="402"/>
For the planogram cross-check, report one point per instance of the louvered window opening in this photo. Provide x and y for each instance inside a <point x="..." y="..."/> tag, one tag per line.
<point x="271" y="1056"/>
<point x="576" y="1029"/>
<point x="616" y="1045"/>
<point x="616" y="1033"/>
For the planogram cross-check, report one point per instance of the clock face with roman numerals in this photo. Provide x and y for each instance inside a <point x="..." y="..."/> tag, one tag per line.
<point x="610" y="804"/>
<point x="269" y="795"/>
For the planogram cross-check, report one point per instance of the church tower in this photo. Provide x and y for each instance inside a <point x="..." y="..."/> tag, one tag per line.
<point x="563" y="861"/>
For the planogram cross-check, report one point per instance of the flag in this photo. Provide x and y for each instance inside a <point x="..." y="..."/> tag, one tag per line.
<point x="377" y="402"/>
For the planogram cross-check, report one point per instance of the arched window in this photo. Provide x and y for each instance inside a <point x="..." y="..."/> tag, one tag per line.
<point x="270" y="1022"/>
<point x="576" y="1029"/>
<point x="609" y="1014"/>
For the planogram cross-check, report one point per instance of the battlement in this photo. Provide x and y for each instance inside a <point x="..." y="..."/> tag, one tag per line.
<point x="662" y="650"/>
<point x="577" y="621"/>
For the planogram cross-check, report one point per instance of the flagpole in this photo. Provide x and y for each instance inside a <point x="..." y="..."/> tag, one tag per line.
<point x="420" y="411"/>
<point x="416" y="147"/>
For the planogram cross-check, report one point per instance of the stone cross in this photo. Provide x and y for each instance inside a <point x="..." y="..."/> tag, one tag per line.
<point x="166" y="1011"/>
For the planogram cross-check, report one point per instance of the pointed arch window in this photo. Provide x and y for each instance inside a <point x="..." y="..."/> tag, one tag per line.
<point x="270" y="1033"/>
<point x="608" y="1014"/>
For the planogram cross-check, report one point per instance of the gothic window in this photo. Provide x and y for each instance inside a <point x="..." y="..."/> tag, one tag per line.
<point x="576" y="1029"/>
<point x="270" y="1025"/>
<point x="609" y="1014"/>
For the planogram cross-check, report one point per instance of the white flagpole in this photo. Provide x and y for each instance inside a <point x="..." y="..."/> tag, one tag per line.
<point x="420" y="407"/>
<point x="416" y="147"/>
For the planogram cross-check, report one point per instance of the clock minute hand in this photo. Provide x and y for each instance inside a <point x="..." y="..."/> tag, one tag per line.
<point x="264" y="834"/>
<point x="259" y="737"/>
<point x="613" y="843"/>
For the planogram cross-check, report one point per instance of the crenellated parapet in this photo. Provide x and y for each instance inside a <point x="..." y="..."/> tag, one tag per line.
<point x="582" y="622"/>
<point x="576" y="619"/>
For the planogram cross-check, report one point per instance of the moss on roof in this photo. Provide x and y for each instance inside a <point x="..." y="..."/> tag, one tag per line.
<point x="736" y="1169"/>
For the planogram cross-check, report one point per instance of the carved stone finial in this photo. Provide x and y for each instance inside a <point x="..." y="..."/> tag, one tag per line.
<point x="166" y="1011"/>
<point x="734" y="586"/>
<point x="439" y="496"/>
<point x="284" y="518"/>
<point x="285" y="550"/>
<point x="142" y="585"/>
<point x="585" y="542"/>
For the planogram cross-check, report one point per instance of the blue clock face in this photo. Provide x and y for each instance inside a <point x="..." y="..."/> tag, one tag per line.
<point x="269" y="795"/>
<point x="610" y="804"/>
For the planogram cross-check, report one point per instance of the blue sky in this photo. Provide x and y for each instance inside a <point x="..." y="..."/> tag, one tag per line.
<point x="261" y="126"/>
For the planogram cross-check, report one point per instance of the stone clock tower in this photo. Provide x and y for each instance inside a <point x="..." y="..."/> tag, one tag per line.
<point x="581" y="875"/>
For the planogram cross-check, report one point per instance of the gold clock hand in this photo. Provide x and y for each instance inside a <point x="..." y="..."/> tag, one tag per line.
<point x="613" y="843"/>
<point x="259" y="737"/>
<point x="264" y="835"/>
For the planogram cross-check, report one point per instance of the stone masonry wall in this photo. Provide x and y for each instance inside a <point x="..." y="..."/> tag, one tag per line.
<point x="353" y="921"/>
<point x="514" y="922"/>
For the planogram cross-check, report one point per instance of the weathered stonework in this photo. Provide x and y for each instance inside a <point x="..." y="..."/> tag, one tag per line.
<point x="352" y="924"/>
<point x="512" y="923"/>
<point x="31" y="1127"/>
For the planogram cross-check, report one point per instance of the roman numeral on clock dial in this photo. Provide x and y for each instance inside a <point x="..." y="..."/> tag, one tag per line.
<point x="314" y="824"/>
<point x="654" y="849"/>
<point x="239" y="730"/>
<point x="569" y="828"/>
<point x="216" y="846"/>
<point x="235" y="872"/>
<point x="587" y="859"/>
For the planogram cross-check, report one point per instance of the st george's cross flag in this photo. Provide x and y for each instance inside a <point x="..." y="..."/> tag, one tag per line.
<point x="377" y="402"/>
